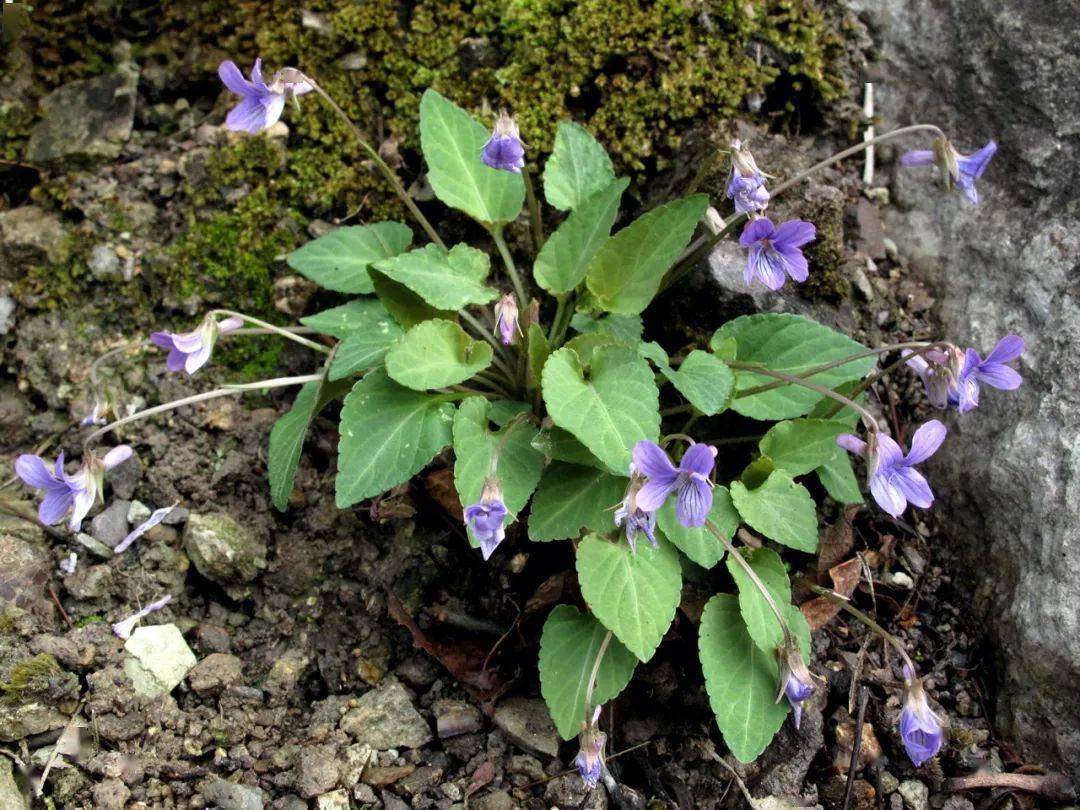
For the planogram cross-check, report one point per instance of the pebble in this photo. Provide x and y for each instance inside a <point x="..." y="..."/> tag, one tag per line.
<point x="385" y="718"/>
<point x="527" y="724"/>
<point x="110" y="526"/>
<point x="110" y="794"/>
<point x="285" y="674"/>
<point x="138" y="512"/>
<point x="454" y="717"/>
<point x="214" y="673"/>
<point x="104" y="263"/>
<point x="915" y="794"/>
<point x="223" y="550"/>
<point x="317" y="771"/>
<point x="336" y="800"/>
<point x="231" y="795"/>
<point x="98" y="549"/>
<point x="160" y="658"/>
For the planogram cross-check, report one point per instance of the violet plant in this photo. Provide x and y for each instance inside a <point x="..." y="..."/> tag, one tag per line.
<point x="566" y="425"/>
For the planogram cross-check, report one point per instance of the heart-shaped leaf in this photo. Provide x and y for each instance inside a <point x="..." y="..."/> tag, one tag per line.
<point x="572" y="498"/>
<point x="780" y="509"/>
<point x="577" y="169"/>
<point x="340" y="260"/>
<point x="699" y="544"/>
<point x="445" y="279"/>
<point x="436" y="354"/>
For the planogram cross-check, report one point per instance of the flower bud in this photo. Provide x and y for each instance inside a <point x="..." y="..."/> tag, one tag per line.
<point x="920" y="728"/>
<point x="590" y="758"/>
<point x="487" y="517"/>
<point x="636" y="519"/>
<point x="506" y="319"/>
<point x="796" y="682"/>
<point x="504" y="149"/>
<point x="747" y="186"/>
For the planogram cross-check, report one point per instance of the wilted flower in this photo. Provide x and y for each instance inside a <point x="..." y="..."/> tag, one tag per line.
<point x="932" y="368"/>
<point x="796" y="682"/>
<point x="504" y="149"/>
<point x="775" y="251"/>
<point x="747" y="185"/>
<point x="486" y="518"/>
<point x="123" y="629"/>
<point x="64" y="492"/>
<point x="189" y="351"/>
<point x="506" y="319"/>
<point x="690" y="479"/>
<point x="260" y="104"/>
<point x="920" y="727"/>
<point x="633" y="516"/>
<point x="962" y="170"/>
<point x="590" y="758"/>
<point x="155" y="518"/>
<point x="894" y="481"/>
<point x="992" y="371"/>
<point x="96" y="415"/>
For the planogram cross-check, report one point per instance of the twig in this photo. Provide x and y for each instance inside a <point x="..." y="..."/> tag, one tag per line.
<point x="60" y="607"/>
<point x="856" y="746"/>
<point x="1056" y="787"/>
<point x="750" y="800"/>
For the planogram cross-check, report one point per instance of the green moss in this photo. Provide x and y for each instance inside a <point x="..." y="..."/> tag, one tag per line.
<point x="31" y="675"/>
<point x="86" y="621"/>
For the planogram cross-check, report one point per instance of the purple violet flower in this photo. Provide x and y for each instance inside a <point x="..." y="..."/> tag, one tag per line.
<point x="690" y="479"/>
<point x="796" y="682"/>
<point x="190" y="351"/>
<point x="775" y="251"/>
<point x="920" y="728"/>
<point x="123" y="629"/>
<point x="155" y="518"/>
<point x="894" y="481"/>
<point x="504" y="149"/>
<point x="77" y="493"/>
<point x="590" y="758"/>
<point x="506" y="319"/>
<point x="636" y="519"/>
<point x="260" y="104"/>
<point x="748" y="193"/>
<point x="932" y="368"/>
<point x="992" y="371"/>
<point x="963" y="170"/>
<point x="487" y="517"/>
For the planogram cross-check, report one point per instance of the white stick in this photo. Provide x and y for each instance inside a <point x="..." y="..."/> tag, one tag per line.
<point x="868" y="114"/>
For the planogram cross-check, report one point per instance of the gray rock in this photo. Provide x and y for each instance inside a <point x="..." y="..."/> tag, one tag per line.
<point x="86" y="120"/>
<point x="110" y="794"/>
<point x="316" y="771"/>
<point x="334" y="800"/>
<point x="1008" y="478"/>
<point x="385" y="718"/>
<point x="24" y="571"/>
<point x="11" y="798"/>
<point x="28" y="235"/>
<point x="915" y="794"/>
<point x="95" y="547"/>
<point x="7" y="314"/>
<point x="568" y="790"/>
<point x="285" y="674"/>
<point x="454" y="717"/>
<point x="223" y="550"/>
<point x="496" y="800"/>
<point x="527" y="724"/>
<point x="159" y="659"/>
<point x="29" y="718"/>
<point x="110" y="526"/>
<point x="231" y="795"/>
<point x="214" y="673"/>
<point x="104" y="263"/>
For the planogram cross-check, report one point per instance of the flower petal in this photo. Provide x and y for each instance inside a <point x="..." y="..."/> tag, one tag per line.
<point x="247" y="116"/>
<point x="230" y="324"/>
<point x="651" y="461"/>
<point x="998" y="375"/>
<point x="188" y="342"/>
<point x="162" y="339"/>
<point x="54" y="506"/>
<point x="925" y="442"/>
<point x="234" y="80"/>
<point x="694" y="502"/>
<point x="852" y="443"/>
<point x="889" y="453"/>
<point x="755" y="230"/>
<point x="888" y="496"/>
<point x="197" y="359"/>
<point x="35" y="472"/>
<point x="913" y="484"/>
<point x="83" y="502"/>
<point x="797" y="266"/>
<point x="652" y="496"/>
<point x="917" y="157"/>
<point x="274" y="105"/>
<point x="794" y="233"/>
<point x="698" y="458"/>
<point x="767" y="265"/>
<point x="175" y="361"/>
<point x="118" y="455"/>
<point x="1008" y="349"/>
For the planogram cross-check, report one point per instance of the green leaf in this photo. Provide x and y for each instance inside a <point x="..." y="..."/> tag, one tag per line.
<point x="436" y="354"/>
<point x="572" y="498"/>
<point x="838" y="478"/>
<point x="339" y="260"/>
<point x="568" y="649"/>
<point x="405" y="306"/>
<point x="780" y="509"/>
<point x="388" y="434"/>
<point x="740" y="679"/>
<point x="340" y="322"/>
<point x="699" y="544"/>
<point x="364" y="348"/>
<point x="793" y="345"/>
<point x="538" y="352"/>
<point x="577" y="169"/>
<point x="628" y="269"/>
<point x="558" y="445"/>
<point x="761" y="622"/>
<point x="451" y="141"/>
<point x="634" y="595"/>
<point x="565" y="257"/>
<point x="447" y="280"/>
<point x="622" y="328"/>
<point x="611" y="410"/>
<point x="801" y="445"/>
<point x="702" y="378"/>
<point x="519" y="468"/>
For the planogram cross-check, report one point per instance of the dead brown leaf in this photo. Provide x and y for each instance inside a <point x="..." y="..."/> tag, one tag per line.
<point x="440" y="485"/>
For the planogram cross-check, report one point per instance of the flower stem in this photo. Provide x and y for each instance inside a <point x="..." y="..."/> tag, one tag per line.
<point x="873" y="378"/>
<point x="535" y="218"/>
<point x="277" y="330"/>
<point x="387" y="172"/>
<point x="498" y="359"/>
<point x="562" y="321"/>
<point x="752" y="574"/>
<point x="224" y="391"/>
<point x="594" y="675"/>
<point x="845" y="605"/>
<point x="511" y="268"/>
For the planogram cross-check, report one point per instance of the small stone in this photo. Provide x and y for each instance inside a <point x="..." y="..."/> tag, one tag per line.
<point x="316" y="771"/>
<point x="7" y="314"/>
<point x="889" y="783"/>
<point x="90" y="582"/>
<point x="385" y="718"/>
<point x="860" y="281"/>
<point x="11" y="798"/>
<point x="85" y="119"/>
<point x="292" y="294"/>
<point x="568" y="790"/>
<point x="355" y="759"/>
<point x="110" y="794"/>
<point x="285" y="674"/>
<point x="353" y="61"/>
<point x="160" y="659"/>
<point x="957" y="803"/>
<point x="454" y="717"/>
<point x="421" y="779"/>
<point x="496" y="800"/>
<point x="527" y="766"/>
<point x="315" y="21"/>
<point x="110" y="526"/>
<point x="383" y="775"/>
<point x="915" y="794"/>
<point x="26" y="571"/>
<point x="28" y="235"/>
<point x="104" y="263"/>
<point x="232" y="795"/>
<point x="223" y="550"/>
<point x="138" y="512"/>
<point x="335" y="800"/>
<point x="527" y="724"/>
<point x="901" y="580"/>
<point x="892" y="251"/>
<point x="869" y="232"/>
<point x="214" y="673"/>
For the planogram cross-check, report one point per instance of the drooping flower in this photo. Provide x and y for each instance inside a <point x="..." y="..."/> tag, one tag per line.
<point x="155" y="518"/>
<point x="932" y="368"/>
<point x="506" y="319"/>
<point x="774" y="251"/>
<point x="894" y="481"/>
<point x="123" y="629"/>
<point x="992" y="371"/>
<point x="590" y="758"/>
<point x="64" y="492"/>
<point x="690" y="481"/>
<point x="961" y="170"/>
<point x="747" y="185"/>
<point x="796" y="682"/>
<point x="504" y="149"/>
<point x="487" y="517"/>
<point x="920" y="728"/>
<point x="260" y="104"/>
<point x="96" y="415"/>
<point x="190" y="351"/>
<point x="632" y="518"/>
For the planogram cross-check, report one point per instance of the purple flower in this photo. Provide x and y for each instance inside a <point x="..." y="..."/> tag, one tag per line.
<point x="64" y="492"/>
<point x="690" y="479"/>
<point x="189" y="351"/>
<point x="894" y="481"/>
<point x="796" y="692"/>
<point x="636" y="519"/>
<point x="506" y="319"/>
<point x="504" y="149"/>
<point x="123" y="629"/>
<point x="487" y="517"/>
<point x="260" y="104"/>
<point x="920" y="727"/>
<point x="748" y="193"/>
<point x="796" y="682"/>
<point x="963" y="170"/>
<point x="155" y="518"/>
<point x="932" y="368"/>
<point x="96" y="415"/>
<point x="991" y="371"/>
<point x="590" y="758"/>
<point x="774" y="251"/>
